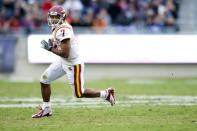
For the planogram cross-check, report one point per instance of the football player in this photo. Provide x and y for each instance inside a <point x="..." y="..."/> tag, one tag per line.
<point x="70" y="63"/>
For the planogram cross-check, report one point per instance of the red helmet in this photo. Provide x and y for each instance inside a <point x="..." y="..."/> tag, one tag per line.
<point x="57" y="11"/>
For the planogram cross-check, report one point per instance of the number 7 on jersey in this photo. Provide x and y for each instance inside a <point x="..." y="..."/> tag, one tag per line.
<point x="62" y="32"/>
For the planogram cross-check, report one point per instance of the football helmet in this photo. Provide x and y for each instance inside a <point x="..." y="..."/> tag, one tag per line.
<point x="59" y="13"/>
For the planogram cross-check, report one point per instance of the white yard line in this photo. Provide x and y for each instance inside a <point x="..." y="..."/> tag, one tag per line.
<point x="166" y="97"/>
<point x="146" y="81"/>
<point x="129" y="100"/>
<point x="133" y="97"/>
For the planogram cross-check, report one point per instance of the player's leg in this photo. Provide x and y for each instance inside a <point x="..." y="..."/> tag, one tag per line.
<point x="91" y="93"/>
<point x="53" y="72"/>
<point x="108" y="94"/>
<point x="74" y="74"/>
<point x="46" y="92"/>
<point x="76" y="79"/>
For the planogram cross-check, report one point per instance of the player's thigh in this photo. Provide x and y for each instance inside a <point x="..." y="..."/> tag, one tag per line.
<point x="75" y="76"/>
<point x="53" y="72"/>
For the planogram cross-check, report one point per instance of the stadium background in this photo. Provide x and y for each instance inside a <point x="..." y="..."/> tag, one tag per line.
<point x="21" y="18"/>
<point x="150" y="95"/>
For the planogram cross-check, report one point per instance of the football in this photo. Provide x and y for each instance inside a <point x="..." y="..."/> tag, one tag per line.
<point x="53" y="42"/>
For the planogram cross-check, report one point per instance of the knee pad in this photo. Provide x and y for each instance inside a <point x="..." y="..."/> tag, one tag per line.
<point x="44" y="79"/>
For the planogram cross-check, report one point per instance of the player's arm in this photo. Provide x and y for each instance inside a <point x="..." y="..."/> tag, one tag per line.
<point x="64" y="36"/>
<point x="65" y="48"/>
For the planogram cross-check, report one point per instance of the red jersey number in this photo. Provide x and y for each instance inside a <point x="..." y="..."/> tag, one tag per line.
<point x="62" y="32"/>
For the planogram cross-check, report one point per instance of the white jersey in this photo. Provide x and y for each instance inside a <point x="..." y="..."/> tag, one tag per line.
<point x="62" y="32"/>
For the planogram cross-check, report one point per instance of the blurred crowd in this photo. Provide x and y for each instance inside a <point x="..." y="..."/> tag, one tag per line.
<point x="30" y="16"/>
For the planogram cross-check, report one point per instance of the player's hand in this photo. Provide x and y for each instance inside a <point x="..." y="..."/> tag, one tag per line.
<point x="46" y="45"/>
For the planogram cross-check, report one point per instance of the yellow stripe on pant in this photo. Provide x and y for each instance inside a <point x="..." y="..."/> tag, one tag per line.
<point x="78" y="81"/>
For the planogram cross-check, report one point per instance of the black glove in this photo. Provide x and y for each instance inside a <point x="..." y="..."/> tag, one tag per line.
<point x="47" y="45"/>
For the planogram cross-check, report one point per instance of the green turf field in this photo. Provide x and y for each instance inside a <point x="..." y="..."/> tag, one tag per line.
<point x="142" y="104"/>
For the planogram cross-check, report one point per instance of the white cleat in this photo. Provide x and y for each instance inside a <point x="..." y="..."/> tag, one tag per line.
<point x="43" y="112"/>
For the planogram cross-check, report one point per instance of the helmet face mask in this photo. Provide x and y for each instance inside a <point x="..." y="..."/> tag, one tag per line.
<point x="54" y="20"/>
<point x="56" y="16"/>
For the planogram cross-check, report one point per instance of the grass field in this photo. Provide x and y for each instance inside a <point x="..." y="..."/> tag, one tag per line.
<point x="142" y="104"/>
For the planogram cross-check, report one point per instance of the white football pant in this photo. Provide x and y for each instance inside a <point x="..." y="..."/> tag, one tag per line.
<point x="73" y="72"/>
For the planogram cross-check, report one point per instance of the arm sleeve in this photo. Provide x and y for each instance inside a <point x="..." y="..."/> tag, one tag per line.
<point x="63" y="33"/>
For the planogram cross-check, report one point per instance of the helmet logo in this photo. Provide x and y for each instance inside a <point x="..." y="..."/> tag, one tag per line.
<point x="53" y="13"/>
<point x="63" y="11"/>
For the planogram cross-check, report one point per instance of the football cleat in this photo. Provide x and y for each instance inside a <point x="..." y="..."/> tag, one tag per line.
<point x="43" y="112"/>
<point x="110" y="96"/>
